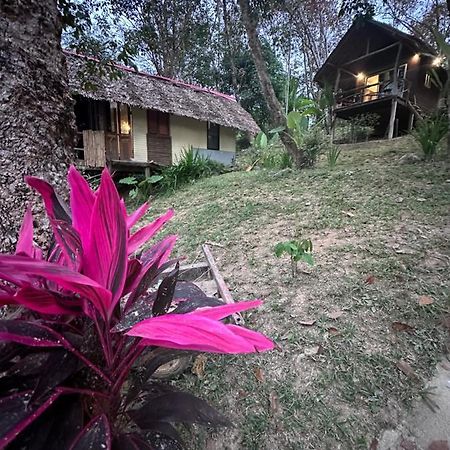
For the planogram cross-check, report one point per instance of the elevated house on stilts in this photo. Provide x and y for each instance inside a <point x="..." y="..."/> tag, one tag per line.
<point x="377" y="69"/>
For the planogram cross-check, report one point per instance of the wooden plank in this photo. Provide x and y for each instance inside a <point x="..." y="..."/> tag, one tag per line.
<point x="397" y="60"/>
<point x="392" y="118"/>
<point x="190" y="272"/>
<point x="94" y="148"/>
<point x="224" y="292"/>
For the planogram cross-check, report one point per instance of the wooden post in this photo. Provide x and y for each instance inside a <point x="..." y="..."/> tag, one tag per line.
<point x="338" y="79"/>
<point x="411" y="121"/>
<point x="392" y="118"/>
<point x="397" y="60"/>
<point x="224" y="292"/>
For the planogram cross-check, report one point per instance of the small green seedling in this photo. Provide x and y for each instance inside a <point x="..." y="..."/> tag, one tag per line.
<point x="298" y="251"/>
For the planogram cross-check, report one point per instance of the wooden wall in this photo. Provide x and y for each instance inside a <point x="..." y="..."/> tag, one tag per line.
<point x="94" y="148"/>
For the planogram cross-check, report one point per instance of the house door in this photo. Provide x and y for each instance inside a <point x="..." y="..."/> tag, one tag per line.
<point x="119" y="138"/>
<point x="372" y="89"/>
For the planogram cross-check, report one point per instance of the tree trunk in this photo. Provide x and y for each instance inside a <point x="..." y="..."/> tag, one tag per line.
<point x="448" y="106"/>
<point x="275" y="108"/>
<point x="36" y="111"/>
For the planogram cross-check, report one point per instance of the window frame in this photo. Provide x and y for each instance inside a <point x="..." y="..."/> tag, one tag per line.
<point x="209" y="136"/>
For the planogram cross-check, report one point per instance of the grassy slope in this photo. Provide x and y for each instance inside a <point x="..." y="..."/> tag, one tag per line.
<point x="368" y="217"/>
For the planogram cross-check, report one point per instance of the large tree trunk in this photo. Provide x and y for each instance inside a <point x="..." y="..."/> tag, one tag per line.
<point x="36" y="111"/>
<point x="275" y="108"/>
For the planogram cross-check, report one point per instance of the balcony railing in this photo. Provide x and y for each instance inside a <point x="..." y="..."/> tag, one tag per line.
<point x="371" y="92"/>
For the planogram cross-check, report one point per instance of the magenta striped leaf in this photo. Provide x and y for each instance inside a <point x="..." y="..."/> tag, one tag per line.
<point x="18" y="413"/>
<point x="23" y="267"/>
<point x="134" y="218"/>
<point x="55" y="207"/>
<point x="194" y="332"/>
<point x="144" y="234"/>
<point x="95" y="435"/>
<point x="25" y="242"/>
<point x="82" y="200"/>
<point x="220" y="312"/>
<point x="105" y="259"/>
<point x="29" y="333"/>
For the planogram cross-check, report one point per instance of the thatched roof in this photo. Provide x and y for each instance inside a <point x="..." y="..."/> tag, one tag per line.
<point x="163" y="94"/>
<point x="354" y="45"/>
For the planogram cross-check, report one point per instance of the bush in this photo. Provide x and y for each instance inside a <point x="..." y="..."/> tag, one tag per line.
<point x="190" y="167"/>
<point x="429" y="132"/>
<point x="92" y="326"/>
<point x="265" y="153"/>
<point x="313" y="143"/>
<point x="333" y="154"/>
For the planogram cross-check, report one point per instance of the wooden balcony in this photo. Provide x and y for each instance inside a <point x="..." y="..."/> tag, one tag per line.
<point x="372" y="92"/>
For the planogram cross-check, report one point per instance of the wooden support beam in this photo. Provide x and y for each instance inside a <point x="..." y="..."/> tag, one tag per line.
<point x="338" y="79"/>
<point x="375" y="52"/>
<point x="224" y="292"/>
<point x="397" y="60"/>
<point x="392" y="118"/>
<point x="411" y="121"/>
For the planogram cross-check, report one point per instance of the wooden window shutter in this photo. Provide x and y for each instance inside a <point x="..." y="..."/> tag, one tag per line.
<point x="152" y="121"/>
<point x="163" y="124"/>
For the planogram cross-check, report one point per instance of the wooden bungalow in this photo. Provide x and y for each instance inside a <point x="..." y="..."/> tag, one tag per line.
<point x="378" y="69"/>
<point x="140" y="120"/>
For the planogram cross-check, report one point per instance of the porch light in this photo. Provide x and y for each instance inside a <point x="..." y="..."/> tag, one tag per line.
<point x="415" y="58"/>
<point x="437" y="61"/>
<point x="361" y="76"/>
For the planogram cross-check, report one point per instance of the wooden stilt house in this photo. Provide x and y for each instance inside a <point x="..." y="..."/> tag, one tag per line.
<point x="378" y="69"/>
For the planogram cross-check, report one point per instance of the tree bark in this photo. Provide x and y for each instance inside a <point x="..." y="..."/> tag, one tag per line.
<point x="36" y="110"/>
<point x="275" y="108"/>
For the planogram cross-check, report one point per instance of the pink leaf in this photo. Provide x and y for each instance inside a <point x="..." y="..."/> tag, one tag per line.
<point x="45" y="302"/>
<point x="82" y="200"/>
<point x="105" y="260"/>
<point x="133" y="218"/>
<point x="25" y="241"/>
<point x="22" y="267"/>
<point x="259" y="341"/>
<point x="220" y="312"/>
<point x="194" y="332"/>
<point x="146" y="233"/>
<point x="55" y="207"/>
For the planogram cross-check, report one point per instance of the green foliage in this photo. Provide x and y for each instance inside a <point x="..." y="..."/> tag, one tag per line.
<point x="357" y="129"/>
<point x="297" y="250"/>
<point x="333" y="153"/>
<point x="142" y="188"/>
<point x="429" y="132"/>
<point x="265" y="153"/>
<point x="249" y="92"/>
<point x="191" y="167"/>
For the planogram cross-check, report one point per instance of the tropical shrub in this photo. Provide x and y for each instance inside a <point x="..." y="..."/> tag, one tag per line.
<point x="191" y="167"/>
<point x="96" y="317"/>
<point x="141" y="188"/>
<point x="265" y="153"/>
<point x="333" y="154"/>
<point x="428" y="134"/>
<point x="298" y="251"/>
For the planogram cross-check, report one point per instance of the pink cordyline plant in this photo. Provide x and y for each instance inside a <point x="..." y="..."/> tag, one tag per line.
<point x="76" y="362"/>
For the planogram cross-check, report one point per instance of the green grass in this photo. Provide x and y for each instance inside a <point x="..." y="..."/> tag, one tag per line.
<point x="369" y="216"/>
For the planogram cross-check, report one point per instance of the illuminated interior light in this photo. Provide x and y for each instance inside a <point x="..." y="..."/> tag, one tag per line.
<point x="415" y="58"/>
<point x="437" y="61"/>
<point x="361" y="76"/>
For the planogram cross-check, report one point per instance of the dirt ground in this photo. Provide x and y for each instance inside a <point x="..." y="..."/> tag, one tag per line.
<point x="360" y="332"/>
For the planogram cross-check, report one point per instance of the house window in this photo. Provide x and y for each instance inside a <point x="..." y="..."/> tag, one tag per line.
<point x="124" y="119"/>
<point x="427" y="81"/>
<point x="158" y="123"/>
<point x="213" y="131"/>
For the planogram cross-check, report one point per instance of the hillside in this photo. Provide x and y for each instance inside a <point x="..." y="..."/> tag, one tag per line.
<point x="380" y="231"/>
